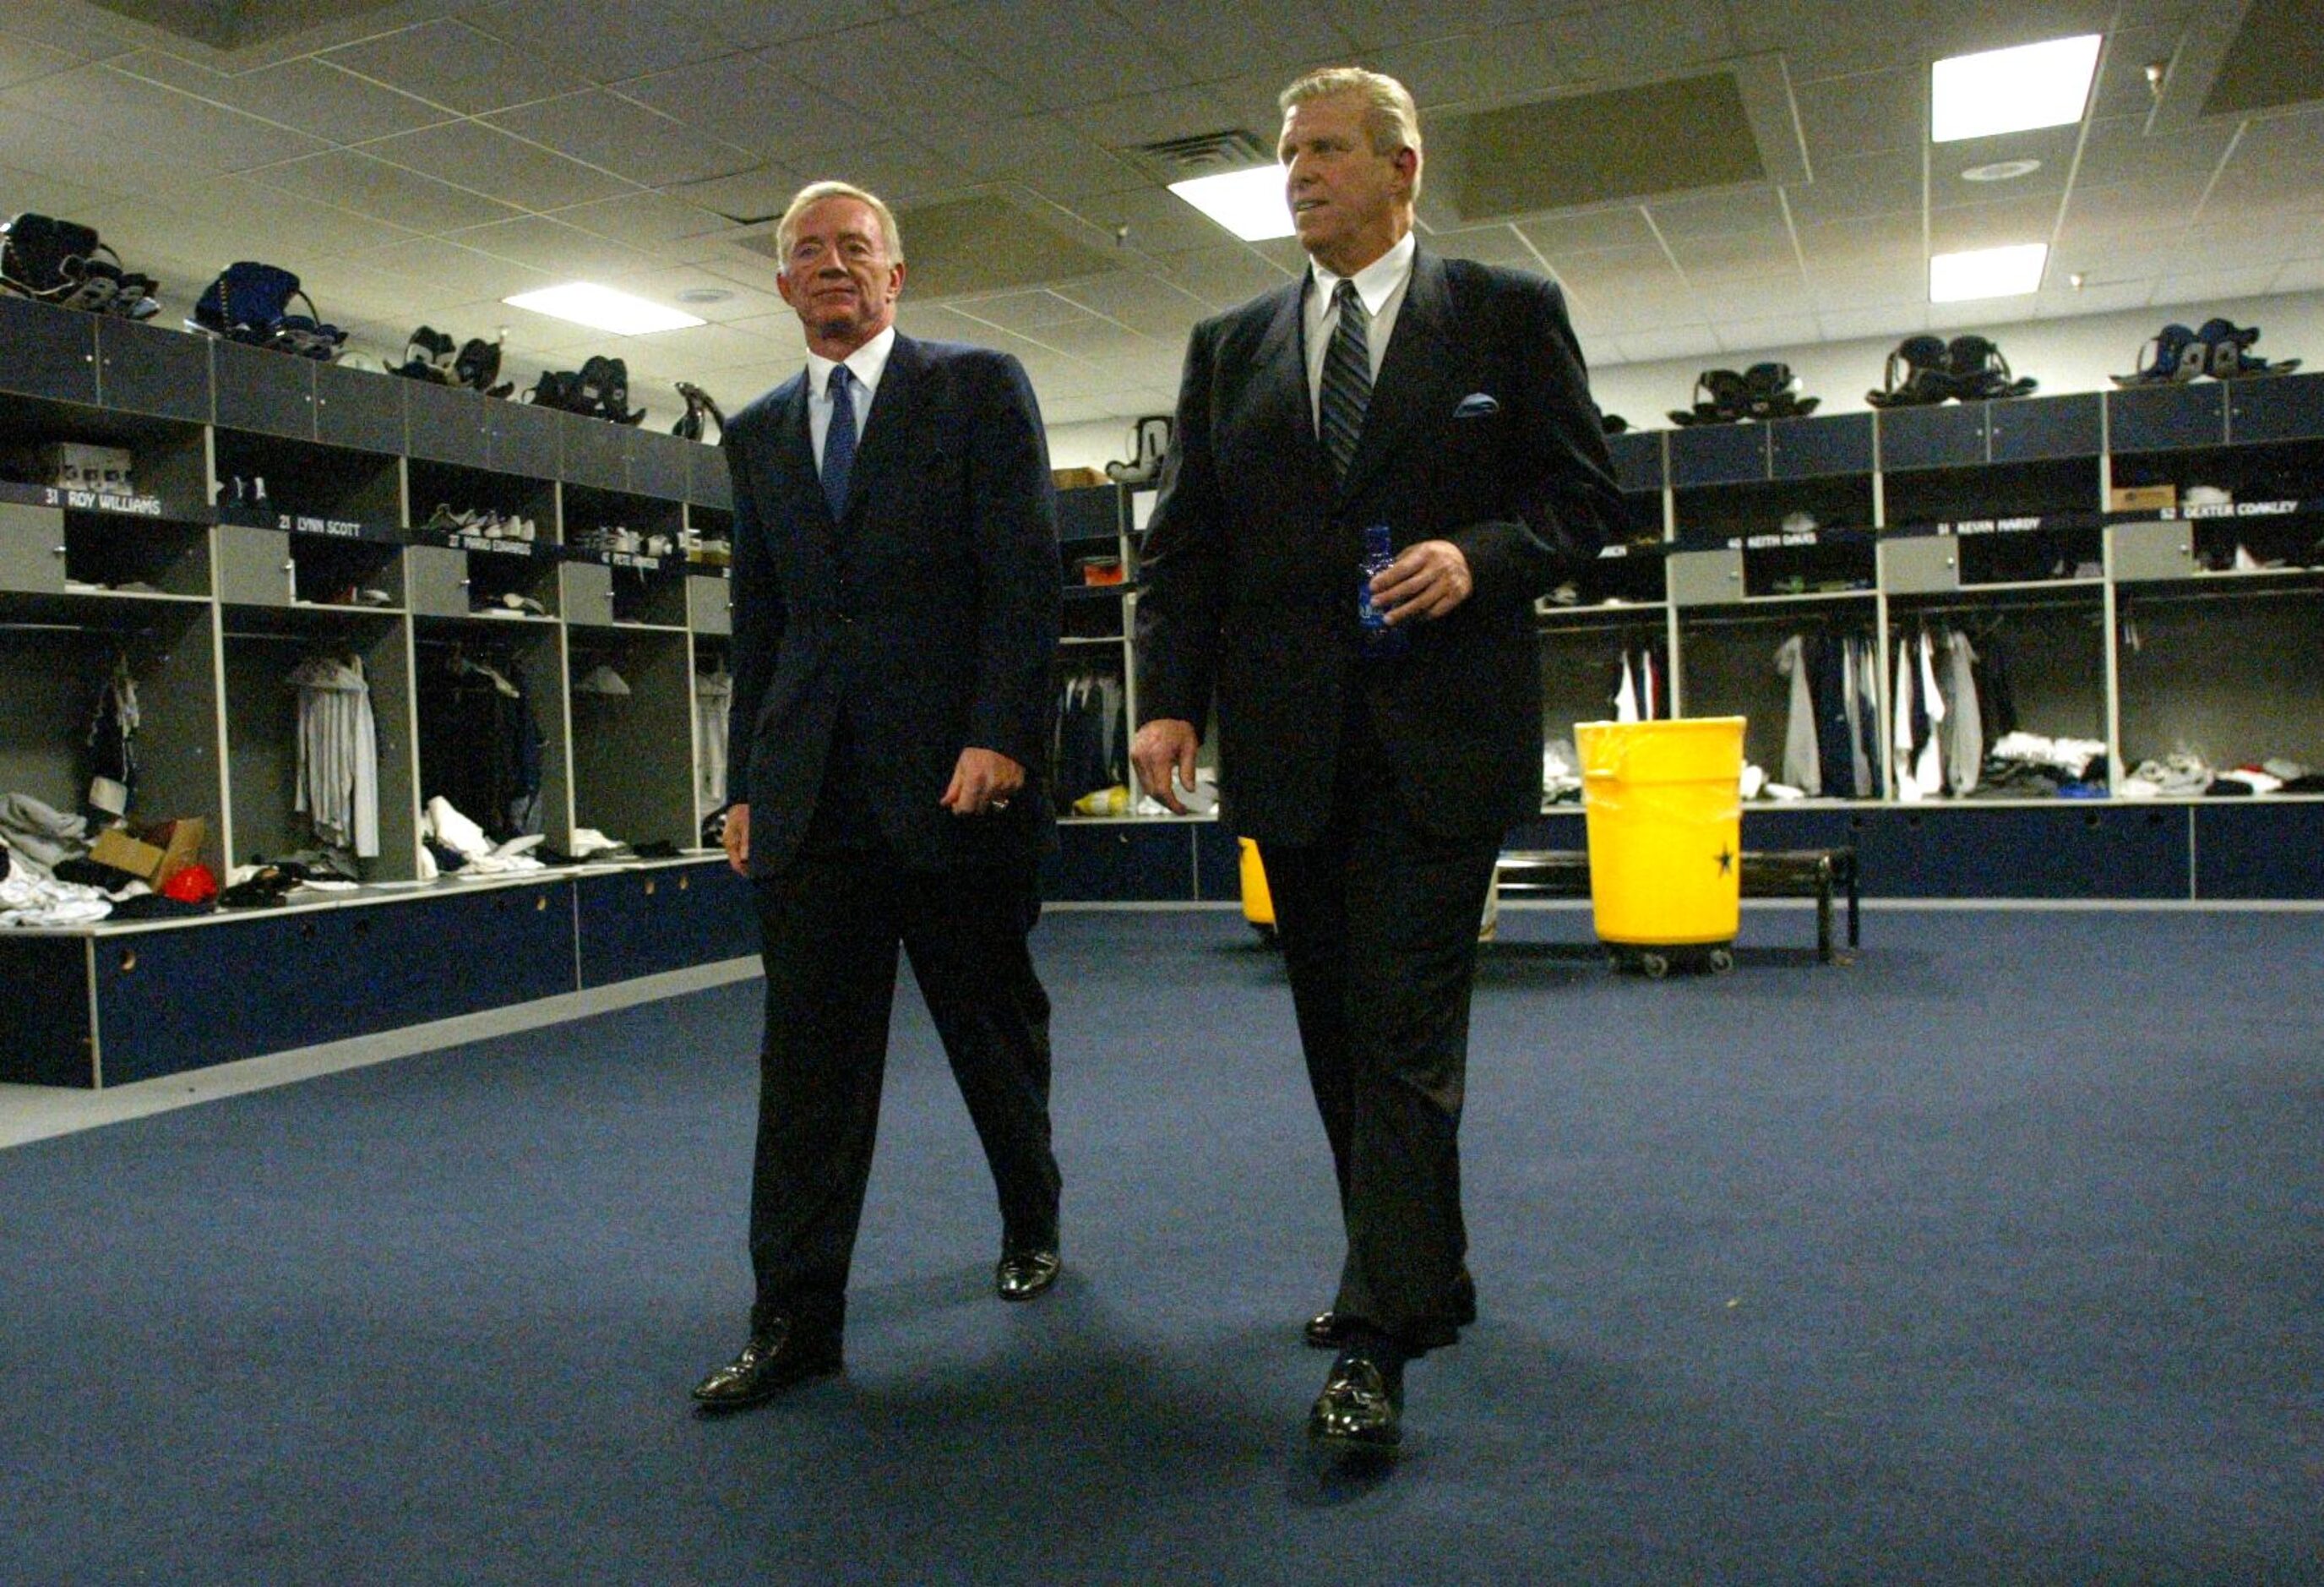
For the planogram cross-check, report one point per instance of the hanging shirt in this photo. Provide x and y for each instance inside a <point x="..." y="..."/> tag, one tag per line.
<point x="1964" y="723"/>
<point x="1900" y="739"/>
<point x="1803" y="768"/>
<point x="338" y="778"/>
<point x="1625" y="695"/>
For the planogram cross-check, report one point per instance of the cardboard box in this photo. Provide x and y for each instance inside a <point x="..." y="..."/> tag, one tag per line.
<point x="156" y="854"/>
<point x="1069" y="479"/>
<point x="2142" y="498"/>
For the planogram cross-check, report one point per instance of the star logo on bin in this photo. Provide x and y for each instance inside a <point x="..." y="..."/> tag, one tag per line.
<point x="1726" y="860"/>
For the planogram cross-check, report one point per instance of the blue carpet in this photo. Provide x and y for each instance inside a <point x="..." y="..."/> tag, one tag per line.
<point x="1991" y="1258"/>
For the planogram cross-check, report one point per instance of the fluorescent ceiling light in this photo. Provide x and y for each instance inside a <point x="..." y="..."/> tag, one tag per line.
<point x="602" y="309"/>
<point x="2011" y="90"/>
<point x="1986" y="272"/>
<point x="1249" y="203"/>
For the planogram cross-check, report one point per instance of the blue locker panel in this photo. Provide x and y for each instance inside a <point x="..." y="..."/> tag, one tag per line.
<point x="1122" y="861"/>
<point x="707" y="479"/>
<point x="1558" y="829"/>
<point x="657" y="464"/>
<point x="144" y="369"/>
<point x="2074" y="852"/>
<point x="1803" y="449"/>
<point x="2160" y="418"/>
<point x="2278" y="408"/>
<point x="1948" y="437"/>
<point x="522" y="439"/>
<point x="263" y="392"/>
<point x="443" y="425"/>
<point x="355" y="408"/>
<point x="1638" y="459"/>
<point x="172" y="1000"/>
<point x="596" y="453"/>
<point x="638" y="923"/>
<point x="44" y="986"/>
<point x="1719" y="454"/>
<point x="1218" y="864"/>
<point x="2257" y="849"/>
<point x="1776" y="827"/>
<point x="52" y="352"/>
<point x="2030" y="427"/>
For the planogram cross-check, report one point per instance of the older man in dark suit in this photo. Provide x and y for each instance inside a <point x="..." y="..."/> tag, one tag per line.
<point x="895" y="611"/>
<point x="1377" y="763"/>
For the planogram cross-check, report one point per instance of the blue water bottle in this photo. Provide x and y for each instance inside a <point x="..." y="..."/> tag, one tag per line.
<point x="1380" y="641"/>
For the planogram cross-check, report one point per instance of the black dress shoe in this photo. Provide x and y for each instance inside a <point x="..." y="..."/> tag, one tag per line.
<point x="1359" y="1411"/>
<point x="777" y="1356"/>
<point x="1324" y="1330"/>
<point x="1024" y="1274"/>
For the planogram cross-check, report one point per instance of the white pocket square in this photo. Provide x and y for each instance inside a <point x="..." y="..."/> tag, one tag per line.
<point x="1476" y="405"/>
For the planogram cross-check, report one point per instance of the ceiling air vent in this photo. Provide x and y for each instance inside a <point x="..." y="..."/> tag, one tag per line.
<point x="1202" y="154"/>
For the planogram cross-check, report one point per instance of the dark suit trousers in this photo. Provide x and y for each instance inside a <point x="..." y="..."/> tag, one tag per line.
<point x="831" y="924"/>
<point x="1378" y="923"/>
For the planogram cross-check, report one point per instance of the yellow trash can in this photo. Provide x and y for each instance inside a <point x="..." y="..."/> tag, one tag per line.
<point x="1662" y="805"/>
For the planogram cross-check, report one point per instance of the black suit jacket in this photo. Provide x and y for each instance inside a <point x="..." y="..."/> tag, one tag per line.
<point x="926" y="615"/>
<point x="1480" y="431"/>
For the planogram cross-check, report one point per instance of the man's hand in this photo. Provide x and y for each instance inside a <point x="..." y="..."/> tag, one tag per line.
<point x="1163" y="746"/>
<point x="737" y="838"/>
<point x="1426" y="580"/>
<point x="982" y="780"/>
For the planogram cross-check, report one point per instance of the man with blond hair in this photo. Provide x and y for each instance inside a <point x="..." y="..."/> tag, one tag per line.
<point x="896" y="612"/>
<point x="1376" y="735"/>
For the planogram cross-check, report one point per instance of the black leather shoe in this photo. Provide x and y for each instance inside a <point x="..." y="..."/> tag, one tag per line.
<point x="1357" y="1413"/>
<point x="777" y="1356"/>
<point x="1324" y="1330"/>
<point x="1024" y="1274"/>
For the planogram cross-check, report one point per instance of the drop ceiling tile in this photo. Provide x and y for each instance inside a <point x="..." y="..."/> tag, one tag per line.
<point x="1725" y="214"/>
<point x="2120" y="150"/>
<point x="2053" y="146"/>
<point x="1820" y="39"/>
<point x="1059" y="52"/>
<point x="1630" y="270"/>
<point x="1872" y="113"/>
<point x="894" y="70"/>
<point x="1150" y="304"/>
<point x="1098" y="341"/>
<point x="285" y="224"/>
<point x="1889" y="320"/>
<point x="1027" y="312"/>
<point x="1044" y="154"/>
<point x="1590" y="230"/>
<point x="2010" y="222"/>
<point x="1671" y="341"/>
<point x="1225" y="276"/>
<point x="1845" y="190"/>
<point x="2060" y="303"/>
<point x="1746" y="256"/>
<point x="644" y="220"/>
<point x="722" y="346"/>
<point x="357" y="182"/>
<point x="564" y="252"/>
<point x="605" y="130"/>
<point x="2140" y="209"/>
<point x="486" y="160"/>
<point x="1197" y="35"/>
<point x="66" y="153"/>
<point x="320" y="100"/>
<point x="455" y="66"/>
<point x="1854" y="244"/>
<point x="1469" y="67"/>
<point x="746" y="198"/>
<point x="86" y="33"/>
<point x="2300" y="275"/>
<point x="662" y="282"/>
<point x="47" y="195"/>
<point x="1905" y="280"/>
<point x="447" y="272"/>
<point x="753" y="102"/>
<point x="756" y="23"/>
<point x="605" y="44"/>
<point x="23" y="60"/>
<point x="1159" y="221"/>
<point x="141" y="117"/>
<point x="1488" y="245"/>
<point x="2122" y="88"/>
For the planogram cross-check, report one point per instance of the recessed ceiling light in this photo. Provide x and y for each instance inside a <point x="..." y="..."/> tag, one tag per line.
<point x="2000" y="170"/>
<point x="718" y="294"/>
<point x="1986" y="272"/>
<point x="2011" y="90"/>
<point x="1249" y="203"/>
<point x="602" y="309"/>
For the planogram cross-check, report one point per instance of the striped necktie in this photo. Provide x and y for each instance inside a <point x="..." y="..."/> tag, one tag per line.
<point x="1347" y="379"/>
<point x="839" y="442"/>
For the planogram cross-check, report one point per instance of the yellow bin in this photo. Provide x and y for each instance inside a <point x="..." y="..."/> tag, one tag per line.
<point x="1662" y="804"/>
<point x="1257" y="904"/>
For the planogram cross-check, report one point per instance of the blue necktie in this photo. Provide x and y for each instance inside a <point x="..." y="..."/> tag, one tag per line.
<point x="1347" y="379"/>
<point x="839" y="442"/>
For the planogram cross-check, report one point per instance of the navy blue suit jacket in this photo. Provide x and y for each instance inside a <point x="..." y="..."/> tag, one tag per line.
<point x="1481" y="431"/>
<point x="926" y="615"/>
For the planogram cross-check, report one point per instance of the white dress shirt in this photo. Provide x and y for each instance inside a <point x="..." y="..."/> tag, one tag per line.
<point x="1381" y="285"/>
<point x="865" y="365"/>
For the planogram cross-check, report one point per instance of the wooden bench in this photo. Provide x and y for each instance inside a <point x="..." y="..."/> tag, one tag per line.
<point x="1766" y="874"/>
